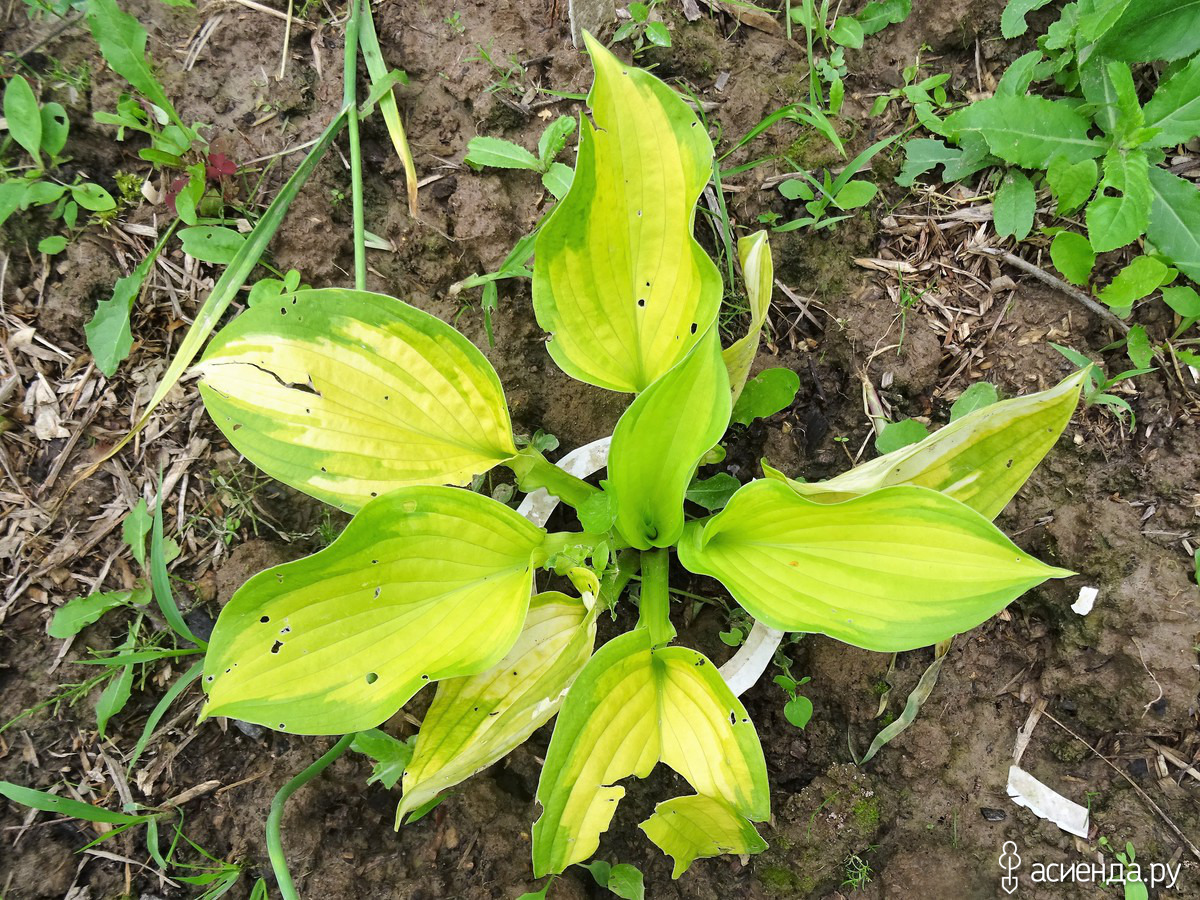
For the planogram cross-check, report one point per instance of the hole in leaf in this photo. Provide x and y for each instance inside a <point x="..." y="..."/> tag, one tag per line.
<point x="265" y="619"/>
<point x="372" y="678"/>
<point x="695" y="326"/>
<point x="278" y="645"/>
<point x="378" y="591"/>
<point x="642" y="301"/>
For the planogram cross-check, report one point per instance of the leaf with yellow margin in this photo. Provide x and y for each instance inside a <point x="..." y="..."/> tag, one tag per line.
<point x="896" y="569"/>
<point x="477" y="719"/>
<point x="696" y="827"/>
<point x="631" y="708"/>
<point x="981" y="459"/>
<point x="758" y="269"/>
<point x="347" y="395"/>
<point x="659" y="440"/>
<point x="619" y="280"/>
<point x="425" y="583"/>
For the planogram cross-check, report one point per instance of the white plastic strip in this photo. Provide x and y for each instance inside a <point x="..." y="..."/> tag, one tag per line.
<point x="751" y="660"/>
<point x="1025" y="790"/>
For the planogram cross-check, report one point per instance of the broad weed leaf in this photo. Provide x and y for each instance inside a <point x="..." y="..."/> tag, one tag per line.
<point x="425" y="583"/>
<point x="122" y="42"/>
<point x="977" y="396"/>
<point x="631" y="708"/>
<point x="904" y="433"/>
<point x="346" y="395"/>
<point x="1012" y="20"/>
<point x="1114" y="221"/>
<point x="619" y="280"/>
<point x="1072" y="183"/>
<point x="23" y="116"/>
<point x="1014" y="206"/>
<point x="1073" y="256"/>
<point x="896" y="569"/>
<point x="1174" y="226"/>
<point x="1028" y="130"/>
<point x="767" y="393"/>
<point x="1175" y="107"/>
<point x="1140" y="278"/>
<point x="499" y="154"/>
<point x="1151" y="30"/>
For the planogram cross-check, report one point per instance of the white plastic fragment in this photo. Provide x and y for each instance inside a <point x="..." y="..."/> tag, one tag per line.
<point x="1046" y="803"/>
<point x="1087" y="597"/>
<point x="747" y="665"/>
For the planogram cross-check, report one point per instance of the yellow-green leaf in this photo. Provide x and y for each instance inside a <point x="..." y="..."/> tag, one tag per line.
<point x="476" y="720"/>
<point x="619" y="280"/>
<point x="896" y="569"/>
<point x="425" y="583"/>
<point x="659" y="440"/>
<point x="981" y="459"/>
<point x="754" y="252"/>
<point x="695" y="827"/>
<point x="347" y="395"/>
<point x="631" y="708"/>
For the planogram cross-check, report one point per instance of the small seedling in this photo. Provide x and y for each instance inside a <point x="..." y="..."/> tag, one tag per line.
<point x="842" y="193"/>
<point x="1098" y="386"/>
<point x="799" y="709"/>
<point x="497" y="153"/>
<point x="41" y="130"/>
<point x="642" y="31"/>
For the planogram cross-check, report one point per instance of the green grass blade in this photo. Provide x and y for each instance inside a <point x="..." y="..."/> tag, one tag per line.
<point x="378" y="71"/>
<point x="160" y="580"/>
<point x="66" y="806"/>
<point x="156" y="715"/>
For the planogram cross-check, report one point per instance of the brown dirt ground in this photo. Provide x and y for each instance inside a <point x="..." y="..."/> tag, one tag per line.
<point x="1111" y="505"/>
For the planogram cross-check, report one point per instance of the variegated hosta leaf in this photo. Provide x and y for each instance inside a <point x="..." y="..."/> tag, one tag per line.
<point x="476" y="720"/>
<point x="980" y="460"/>
<point x="631" y="708"/>
<point x="659" y="440"/>
<point x="754" y="251"/>
<point x="425" y="583"/>
<point x="695" y="827"/>
<point x="346" y="395"/>
<point x="618" y="279"/>
<point x="896" y="569"/>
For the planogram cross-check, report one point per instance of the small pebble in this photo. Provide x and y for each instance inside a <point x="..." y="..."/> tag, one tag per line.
<point x="993" y="815"/>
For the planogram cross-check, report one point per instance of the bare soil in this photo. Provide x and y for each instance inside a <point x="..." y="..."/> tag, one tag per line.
<point x="929" y="814"/>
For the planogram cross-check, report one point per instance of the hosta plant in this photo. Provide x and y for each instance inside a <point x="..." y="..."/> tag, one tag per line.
<point x="380" y="409"/>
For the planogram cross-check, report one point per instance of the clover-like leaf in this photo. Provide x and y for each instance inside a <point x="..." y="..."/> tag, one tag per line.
<point x="981" y="459"/>
<point x="758" y="269"/>
<point x="659" y="440"/>
<point x="477" y="719"/>
<point x="695" y="827"/>
<point x="347" y="395"/>
<point x="619" y="280"/>
<point x="425" y="583"/>
<point x="631" y="708"/>
<point x="896" y="569"/>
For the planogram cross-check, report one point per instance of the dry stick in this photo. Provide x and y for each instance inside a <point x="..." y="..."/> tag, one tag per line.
<point x="287" y="39"/>
<point x="1057" y="283"/>
<point x="1133" y="784"/>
